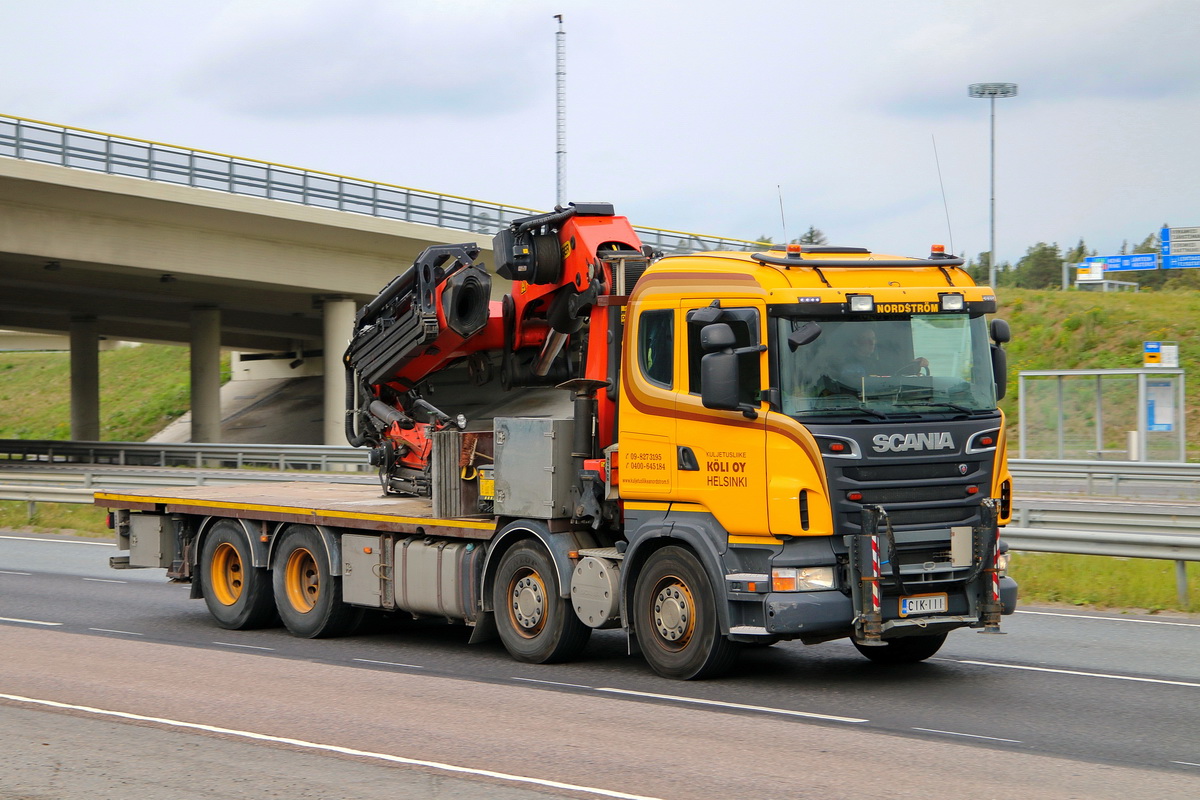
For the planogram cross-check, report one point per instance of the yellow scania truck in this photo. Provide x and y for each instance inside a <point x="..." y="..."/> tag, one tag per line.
<point x="788" y="444"/>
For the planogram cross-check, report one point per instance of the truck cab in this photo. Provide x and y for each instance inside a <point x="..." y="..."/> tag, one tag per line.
<point x="782" y="413"/>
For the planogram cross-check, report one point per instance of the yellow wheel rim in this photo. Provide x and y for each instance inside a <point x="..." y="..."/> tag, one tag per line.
<point x="303" y="580"/>
<point x="674" y="613"/>
<point x="228" y="576"/>
<point x="527" y="602"/>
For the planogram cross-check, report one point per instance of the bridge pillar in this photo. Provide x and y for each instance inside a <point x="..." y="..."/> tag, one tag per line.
<point x="206" y="373"/>
<point x="338" y="314"/>
<point x="85" y="379"/>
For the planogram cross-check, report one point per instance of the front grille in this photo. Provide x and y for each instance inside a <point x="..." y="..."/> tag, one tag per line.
<point x="930" y="494"/>
<point x="909" y="472"/>
<point x="942" y="517"/>
<point x="913" y="494"/>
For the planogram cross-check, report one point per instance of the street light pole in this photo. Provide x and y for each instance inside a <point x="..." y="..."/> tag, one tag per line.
<point x="991" y="91"/>
<point x="560" y="75"/>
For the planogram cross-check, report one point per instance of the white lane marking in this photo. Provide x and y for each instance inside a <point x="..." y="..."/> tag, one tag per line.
<point x="247" y="646"/>
<point x="110" y="630"/>
<point x="1186" y="763"/>
<point x="58" y="541"/>
<point x="1084" y="674"/>
<point x="104" y="580"/>
<point x="329" y="748"/>
<point x="739" y="706"/>
<point x="553" y="683"/>
<point x="10" y="572"/>
<point x="1113" y="619"/>
<point x="29" y="621"/>
<point x="389" y="663"/>
<point x="968" y="735"/>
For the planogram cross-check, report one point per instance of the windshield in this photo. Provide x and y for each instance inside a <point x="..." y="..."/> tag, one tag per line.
<point x="925" y="363"/>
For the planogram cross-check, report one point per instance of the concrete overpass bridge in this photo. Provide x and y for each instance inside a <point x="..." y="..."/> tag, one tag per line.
<point x="111" y="237"/>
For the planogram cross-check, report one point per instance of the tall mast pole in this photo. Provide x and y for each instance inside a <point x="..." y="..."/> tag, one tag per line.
<point x="560" y="75"/>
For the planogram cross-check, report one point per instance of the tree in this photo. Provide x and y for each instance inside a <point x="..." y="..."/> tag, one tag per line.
<point x="1040" y="268"/>
<point x="1150" y="278"/>
<point x="813" y="236"/>
<point x="977" y="267"/>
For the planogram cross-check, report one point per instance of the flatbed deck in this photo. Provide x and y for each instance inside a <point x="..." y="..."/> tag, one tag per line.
<point x="344" y="505"/>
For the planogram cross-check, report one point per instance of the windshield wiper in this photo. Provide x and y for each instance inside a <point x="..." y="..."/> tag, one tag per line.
<point x="954" y="406"/>
<point x="845" y="409"/>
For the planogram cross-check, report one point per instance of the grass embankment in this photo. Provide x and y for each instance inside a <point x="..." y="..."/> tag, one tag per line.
<point x="1095" y="330"/>
<point x="141" y="390"/>
<point x="144" y="388"/>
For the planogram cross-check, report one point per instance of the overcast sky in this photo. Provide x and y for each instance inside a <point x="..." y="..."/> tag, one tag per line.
<point x="696" y="116"/>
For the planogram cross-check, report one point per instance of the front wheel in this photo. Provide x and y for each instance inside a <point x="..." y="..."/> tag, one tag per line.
<point x="676" y="618"/>
<point x="237" y="593"/>
<point x="536" y="625"/>
<point x="309" y="599"/>
<point x="906" y="650"/>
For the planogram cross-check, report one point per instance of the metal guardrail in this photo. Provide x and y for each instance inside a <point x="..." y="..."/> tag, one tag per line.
<point x="1091" y="477"/>
<point x="1168" y="547"/>
<point x="1054" y="525"/>
<point x="1146" y="517"/>
<point x="1112" y="477"/>
<point x="79" y="148"/>
<point x="236" y="456"/>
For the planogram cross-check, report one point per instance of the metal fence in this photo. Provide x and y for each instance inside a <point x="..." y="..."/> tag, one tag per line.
<point x="1102" y="414"/>
<point x="78" y="148"/>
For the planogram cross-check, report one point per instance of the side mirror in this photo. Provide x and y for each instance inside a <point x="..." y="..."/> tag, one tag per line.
<point x="1000" y="332"/>
<point x="805" y="334"/>
<point x="719" y="381"/>
<point x="716" y="337"/>
<point x="1000" y="370"/>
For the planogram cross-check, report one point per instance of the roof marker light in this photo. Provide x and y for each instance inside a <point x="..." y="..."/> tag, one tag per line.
<point x="952" y="302"/>
<point x="794" y="251"/>
<point x="862" y="303"/>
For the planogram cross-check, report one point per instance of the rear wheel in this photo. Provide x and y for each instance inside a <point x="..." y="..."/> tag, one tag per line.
<point x="237" y="593"/>
<point x="536" y="625"/>
<point x="676" y="618"/>
<point x="906" y="650"/>
<point x="309" y="599"/>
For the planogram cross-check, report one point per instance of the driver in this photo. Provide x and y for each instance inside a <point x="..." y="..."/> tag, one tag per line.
<point x="862" y="359"/>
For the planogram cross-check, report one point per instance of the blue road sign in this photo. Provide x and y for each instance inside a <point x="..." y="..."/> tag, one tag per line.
<point x="1181" y="262"/>
<point x="1129" y="263"/>
<point x="1164" y="238"/>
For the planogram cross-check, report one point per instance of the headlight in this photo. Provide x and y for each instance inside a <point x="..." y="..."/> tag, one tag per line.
<point x="861" y="303"/>
<point x="952" y="302"/>
<point x="801" y="579"/>
<point x="1002" y="564"/>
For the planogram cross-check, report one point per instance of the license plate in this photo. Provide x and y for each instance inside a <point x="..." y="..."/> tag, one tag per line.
<point x="923" y="604"/>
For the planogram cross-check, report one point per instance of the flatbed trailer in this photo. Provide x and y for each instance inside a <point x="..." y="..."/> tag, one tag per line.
<point x="345" y="505"/>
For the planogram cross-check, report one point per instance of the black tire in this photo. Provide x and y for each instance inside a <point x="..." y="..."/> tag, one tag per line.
<point x="906" y="650"/>
<point x="237" y="593"/>
<point x="536" y="625"/>
<point x="309" y="599"/>
<point x="675" y="617"/>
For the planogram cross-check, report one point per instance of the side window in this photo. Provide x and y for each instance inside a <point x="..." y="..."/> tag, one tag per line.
<point x="656" y="346"/>
<point x="744" y="324"/>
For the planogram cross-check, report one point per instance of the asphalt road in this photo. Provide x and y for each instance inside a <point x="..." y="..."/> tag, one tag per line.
<point x="1066" y="705"/>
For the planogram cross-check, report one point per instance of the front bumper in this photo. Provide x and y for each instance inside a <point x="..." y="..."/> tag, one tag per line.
<point x="831" y="613"/>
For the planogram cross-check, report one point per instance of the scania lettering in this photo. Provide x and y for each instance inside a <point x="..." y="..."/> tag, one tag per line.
<point x="900" y="442"/>
<point x="699" y="451"/>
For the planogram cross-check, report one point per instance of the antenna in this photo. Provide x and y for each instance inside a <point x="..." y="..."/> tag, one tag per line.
<point x="943" y="187"/>
<point x="560" y="75"/>
<point x="782" y="219"/>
